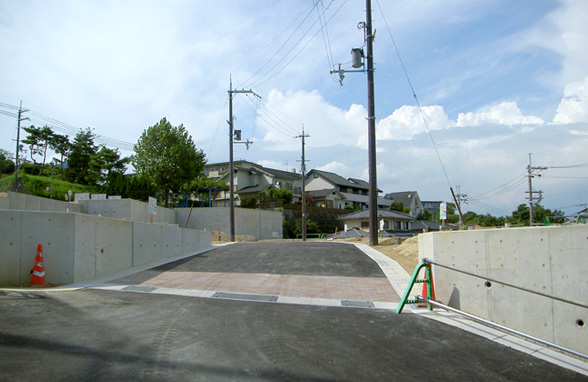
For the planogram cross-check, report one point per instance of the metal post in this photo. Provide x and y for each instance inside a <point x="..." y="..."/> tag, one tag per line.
<point x="373" y="188"/>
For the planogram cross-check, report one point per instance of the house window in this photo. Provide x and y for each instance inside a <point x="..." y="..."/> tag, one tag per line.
<point x="288" y="186"/>
<point x="396" y="225"/>
<point x="365" y="224"/>
<point x="297" y="190"/>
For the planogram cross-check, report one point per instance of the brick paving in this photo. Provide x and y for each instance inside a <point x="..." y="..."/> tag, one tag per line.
<point x="333" y="287"/>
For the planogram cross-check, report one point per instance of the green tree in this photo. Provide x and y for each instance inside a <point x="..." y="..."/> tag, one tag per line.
<point x="522" y="215"/>
<point x="6" y="155"/>
<point x="399" y="207"/>
<point x="273" y="194"/>
<point x="136" y="187"/>
<point x="167" y="155"/>
<point x="452" y="217"/>
<point x="61" y="145"/>
<point x="82" y="149"/>
<point x="248" y="202"/>
<point x="39" y="140"/>
<point x="104" y="163"/>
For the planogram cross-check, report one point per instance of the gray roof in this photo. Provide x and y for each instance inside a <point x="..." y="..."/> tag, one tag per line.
<point x="405" y="197"/>
<point x="249" y="166"/>
<point x="324" y="193"/>
<point x="364" y="214"/>
<point x="253" y="189"/>
<point x="338" y="180"/>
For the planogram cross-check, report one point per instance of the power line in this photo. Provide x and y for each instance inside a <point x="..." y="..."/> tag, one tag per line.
<point x="281" y="46"/>
<point x="262" y="80"/>
<point x="414" y="93"/>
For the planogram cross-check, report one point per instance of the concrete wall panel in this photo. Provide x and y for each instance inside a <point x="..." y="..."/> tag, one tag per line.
<point x="33" y="203"/>
<point x="547" y="260"/>
<point x="171" y="241"/>
<point x="114" y="246"/>
<point x="18" y="201"/>
<point x="10" y="234"/>
<point x="55" y="232"/>
<point x="570" y="326"/>
<point x="258" y="224"/>
<point x="569" y="262"/>
<point x="146" y="243"/>
<point x="46" y="204"/>
<point x="77" y="247"/>
<point x="84" y="253"/>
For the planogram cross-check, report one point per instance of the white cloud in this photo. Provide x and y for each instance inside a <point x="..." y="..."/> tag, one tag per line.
<point x="334" y="166"/>
<point x="565" y="32"/>
<point x="574" y="104"/>
<point x="326" y="124"/>
<point x="407" y="121"/>
<point x="505" y="113"/>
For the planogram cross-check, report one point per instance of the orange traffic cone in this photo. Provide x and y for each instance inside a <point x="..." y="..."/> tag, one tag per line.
<point x="38" y="272"/>
<point x="425" y="292"/>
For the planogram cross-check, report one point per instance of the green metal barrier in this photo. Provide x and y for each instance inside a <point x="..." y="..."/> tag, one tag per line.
<point x="415" y="280"/>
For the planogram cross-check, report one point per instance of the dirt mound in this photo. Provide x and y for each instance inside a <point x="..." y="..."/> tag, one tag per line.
<point x="405" y="253"/>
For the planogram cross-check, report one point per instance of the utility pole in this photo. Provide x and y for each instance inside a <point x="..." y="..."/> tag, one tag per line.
<point x="357" y="55"/>
<point x="303" y="170"/>
<point x="373" y="190"/>
<point x="231" y="166"/>
<point x="20" y="119"/>
<point x="530" y="169"/>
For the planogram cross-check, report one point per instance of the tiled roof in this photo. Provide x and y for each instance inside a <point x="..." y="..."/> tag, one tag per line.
<point x="405" y="197"/>
<point x="338" y="180"/>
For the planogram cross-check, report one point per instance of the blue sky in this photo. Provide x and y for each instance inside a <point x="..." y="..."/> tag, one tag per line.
<point x="496" y="80"/>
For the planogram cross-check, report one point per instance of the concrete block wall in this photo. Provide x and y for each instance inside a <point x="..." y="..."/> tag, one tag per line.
<point x="258" y="224"/>
<point x="78" y="247"/>
<point x="549" y="260"/>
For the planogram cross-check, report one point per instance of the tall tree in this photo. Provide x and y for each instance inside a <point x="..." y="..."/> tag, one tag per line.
<point x="167" y="155"/>
<point x="82" y="149"/>
<point x="61" y="145"/>
<point x="39" y="139"/>
<point x="104" y="163"/>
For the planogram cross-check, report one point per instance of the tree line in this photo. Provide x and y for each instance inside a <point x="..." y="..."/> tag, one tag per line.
<point x="166" y="161"/>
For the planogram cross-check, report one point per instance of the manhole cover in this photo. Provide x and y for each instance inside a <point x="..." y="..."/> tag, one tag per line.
<point x="246" y="297"/>
<point x="141" y="289"/>
<point x="357" y="304"/>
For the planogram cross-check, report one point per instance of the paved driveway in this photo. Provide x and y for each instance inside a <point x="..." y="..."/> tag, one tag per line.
<point x="93" y="334"/>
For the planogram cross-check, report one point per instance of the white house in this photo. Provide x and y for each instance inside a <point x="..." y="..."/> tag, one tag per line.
<point x="250" y="178"/>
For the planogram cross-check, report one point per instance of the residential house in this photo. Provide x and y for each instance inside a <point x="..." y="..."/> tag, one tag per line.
<point x="433" y="207"/>
<point x="251" y="178"/>
<point x="328" y="189"/>
<point x="409" y="199"/>
<point x="392" y="221"/>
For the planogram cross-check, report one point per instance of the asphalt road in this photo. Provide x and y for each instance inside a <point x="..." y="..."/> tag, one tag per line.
<point x="97" y="335"/>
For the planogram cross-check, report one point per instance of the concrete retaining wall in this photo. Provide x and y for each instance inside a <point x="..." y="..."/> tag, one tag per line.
<point x="549" y="260"/>
<point x="24" y="202"/>
<point x="127" y="209"/>
<point x="78" y="247"/>
<point x="258" y="224"/>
